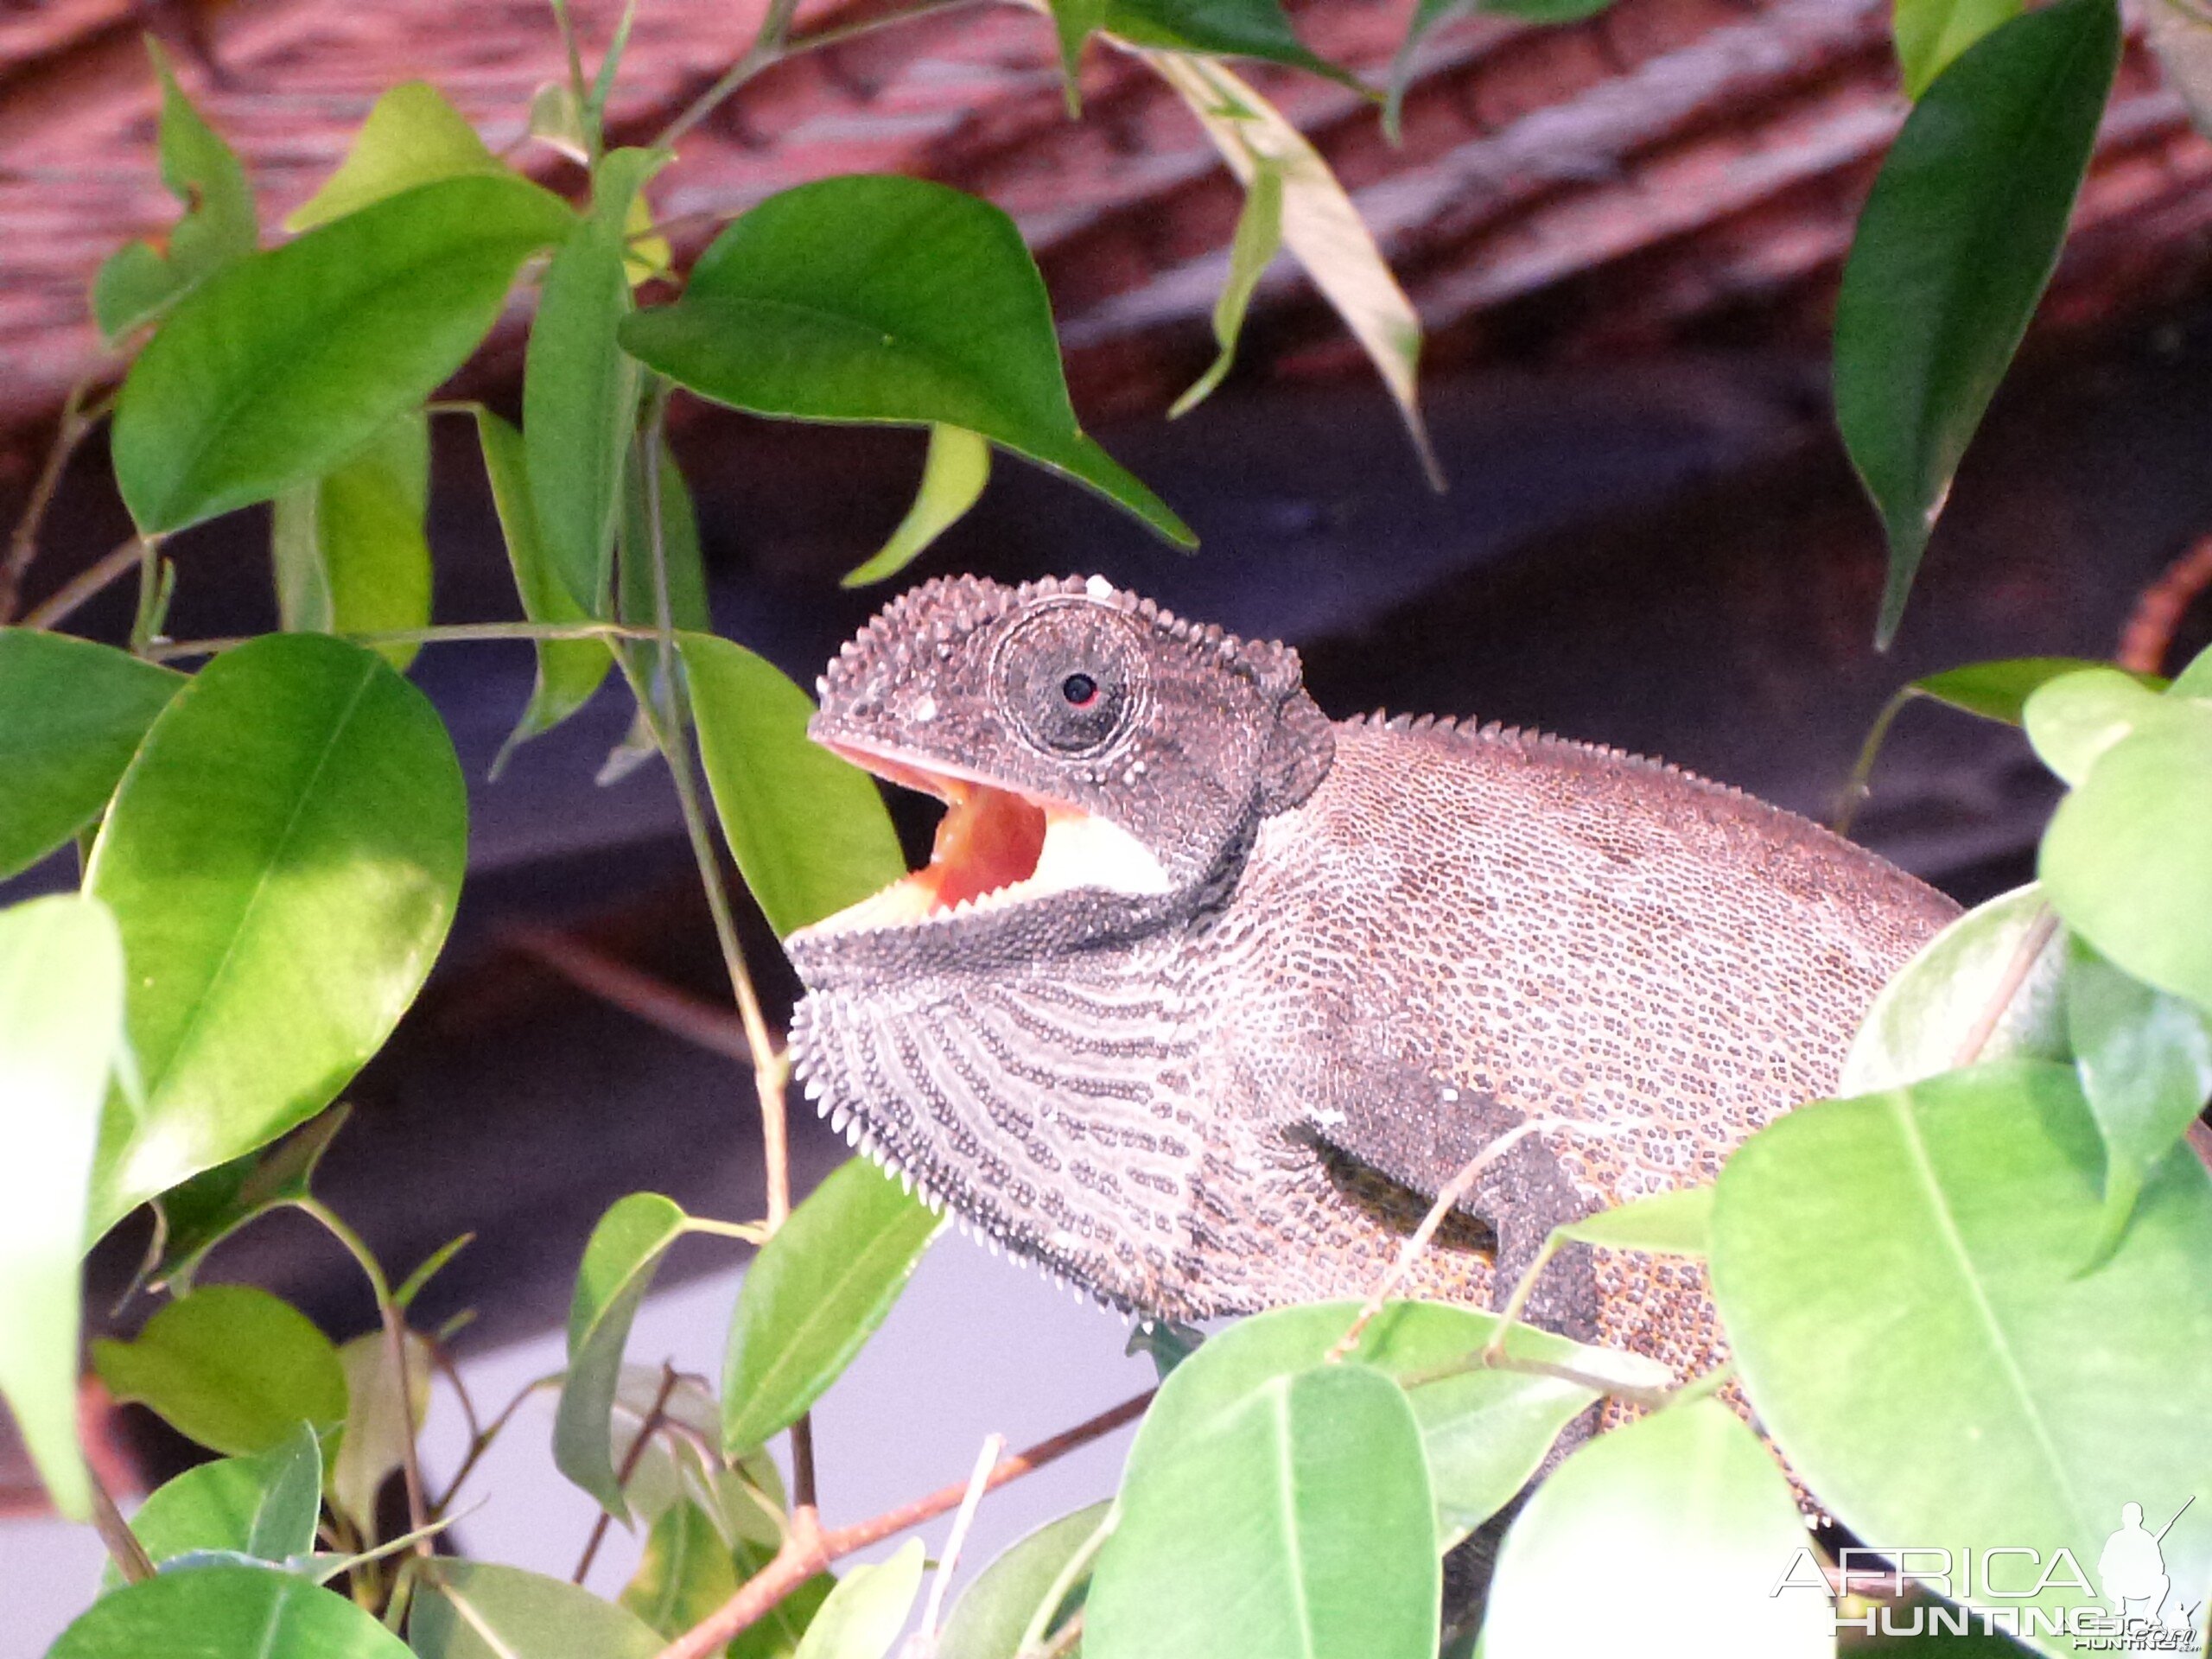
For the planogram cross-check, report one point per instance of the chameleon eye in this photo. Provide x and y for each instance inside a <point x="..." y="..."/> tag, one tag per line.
<point x="1080" y="691"/>
<point x="1068" y="678"/>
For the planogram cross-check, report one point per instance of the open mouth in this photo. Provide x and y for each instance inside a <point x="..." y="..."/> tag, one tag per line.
<point x="996" y="846"/>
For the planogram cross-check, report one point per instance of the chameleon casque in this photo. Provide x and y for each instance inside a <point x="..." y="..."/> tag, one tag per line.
<point x="1202" y="998"/>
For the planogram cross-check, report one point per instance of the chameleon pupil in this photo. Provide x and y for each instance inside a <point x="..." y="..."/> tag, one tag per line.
<point x="1080" y="690"/>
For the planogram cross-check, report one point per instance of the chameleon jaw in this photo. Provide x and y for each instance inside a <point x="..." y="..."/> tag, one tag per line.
<point x="997" y="847"/>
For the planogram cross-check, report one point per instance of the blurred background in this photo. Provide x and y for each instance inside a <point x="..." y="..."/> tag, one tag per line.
<point x="1623" y="236"/>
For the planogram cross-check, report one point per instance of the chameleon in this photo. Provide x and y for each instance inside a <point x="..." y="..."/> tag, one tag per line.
<point x="1202" y="998"/>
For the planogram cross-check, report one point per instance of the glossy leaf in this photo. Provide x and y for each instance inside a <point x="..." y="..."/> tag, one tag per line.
<point x="284" y="855"/>
<point x="61" y="984"/>
<point x="1234" y="28"/>
<point x="1296" y="1521"/>
<point x="71" y="713"/>
<point x="231" y="1367"/>
<point x="954" y="473"/>
<point x="679" y="552"/>
<point x="569" y="670"/>
<point x="864" y="1614"/>
<point x="138" y="282"/>
<point x="1674" y="1223"/>
<point x="994" y="1612"/>
<point x="1258" y="239"/>
<point x="1956" y="242"/>
<point x="412" y="136"/>
<point x="263" y="1506"/>
<point x="809" y="830"/>
<point x="1958" y="1386"/>
<point x="222" y="1612"/>
<point x="203" y="1211"/>
<point x="815" y="1294"/>
<point x="1320" y="226"/>
<point x="685" y="1573"/>
<point x="476" y="1610"/>
<point x="2145" y="1059"/>
<point x="619" y="1261"/>
<point x="280" y="366"/>
<point x="350" y="552"/>
<point x="1930" y="32"/>
<point x="2126" y="860"/>
<point x="377" y="1428"/>
<point x="2074" y="718"/>
<point x="1682" y="1509"/>
<point x="580" y="388"/>
<point x="1922" y="1018"/>
<point x="876" y="299"/>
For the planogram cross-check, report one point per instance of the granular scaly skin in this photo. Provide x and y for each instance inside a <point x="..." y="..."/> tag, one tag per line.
<point x="1384" y="944"/>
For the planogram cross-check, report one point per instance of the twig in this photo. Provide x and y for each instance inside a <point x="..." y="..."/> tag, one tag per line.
<point x="122" y="1546"/>
<point x="88" y="584"/>
<point x="803" y="1557"/>
<point x="709" y="1025"/>
<point x="77" y="421"/>
<point x="446" y="634"/>
<point x="2148" y="634"/>
<point x="805" y="1495"/>
<point x="924" y="1641"/>
<point x="646" y="1430"/>
<point x="1446" y="1201"/>
<point x="482" y="1442"/>
<point x="2024" y="957"/>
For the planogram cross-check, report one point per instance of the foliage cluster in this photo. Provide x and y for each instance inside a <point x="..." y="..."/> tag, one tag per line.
<point x="1970" y="1299"/>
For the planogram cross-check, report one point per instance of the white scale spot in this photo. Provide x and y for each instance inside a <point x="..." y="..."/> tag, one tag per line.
<point x="1099" y="589"/>
<point x="925" y="708"/>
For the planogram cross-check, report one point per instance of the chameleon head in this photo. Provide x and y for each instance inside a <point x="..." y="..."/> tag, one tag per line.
<point x="1083" y="741"/>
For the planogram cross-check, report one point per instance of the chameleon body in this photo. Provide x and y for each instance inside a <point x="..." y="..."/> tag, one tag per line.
<point x="1205" y="998"/>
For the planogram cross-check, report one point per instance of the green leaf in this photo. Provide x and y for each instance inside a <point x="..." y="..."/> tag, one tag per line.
<point x="431" y="1267"/>
<point x="1297" y="1521"/>
<point x="863" y="1615"/>
<point x="199" y="1214"/>
<point x="377" y="1428"/>
<point x="809" y="830"/>
<point x="1320" y="226"/>
<point x="1074" y="21"/>
<point x="680" y="554"/>
<point x="2145" y="1059"/>
<point x="744" y="1500"/>
<point x="556" y="120"/>
<point x="580" y="388"/>
<point x="412" y="136"/>
<point x="265" y="1506"/>
<point x="993" y="1612"/>
<point x="875" y="299"/>
<point x="71" y="713"/>
<point x="62" y="979"/>
<point x="350" y="554"/>
<point x="476" y="1609"/>
<point x="1429" y="16"/>
<point x="685" y="1573"/>
<point x="1258" y="239"/>
<point x="284" y="364"/>
<point x="1674" y="1223"/>
<point x="1966" y="1384"/>
<point x="231" y="1367"/>
<point x="1953" y="250"/>
<point x="138" y="282"/>
<point x="2195" y="680"/>
<point x="778" y="1634"/>
<point x="619" y="1261"/>
<point x="1930" y="32"/>
<point x="284" y="855"/>
<point x="569" y="670"/>
<point x="1683" y="1510"/>
<point x="2074" y="718"/>
<point x="2126" y="860"/>
<point x="1923" y="1016"/>
<point x="815" y="1294"/>
<point x="954" y="473"/>
<point x="1236" y="29"/>
<point x="222" y="1612"/>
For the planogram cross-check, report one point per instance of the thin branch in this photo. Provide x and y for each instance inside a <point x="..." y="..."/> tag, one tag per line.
<point x="76" y="423"/>
<point x="87" y="585"/>
<point x="2025" y="955"/>
<point x="948" y="1560"/>
<point x="805" y="1497"/>
<point x="122" y="1546"/>
<point x="2149" y="632"/>
<point x="804" y="1554"/>
<point x="482" y="1442"/>
<point x="709" y="1025"/>
<point x="647" y="1429"/>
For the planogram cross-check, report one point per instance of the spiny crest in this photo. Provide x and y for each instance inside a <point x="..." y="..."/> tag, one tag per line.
<point x="1529" y="740"/>
<point x="914" y="628"/>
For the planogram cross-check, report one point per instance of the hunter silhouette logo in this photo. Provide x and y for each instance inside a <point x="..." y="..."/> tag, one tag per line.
<point x="2133" y="1566"/>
